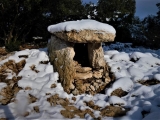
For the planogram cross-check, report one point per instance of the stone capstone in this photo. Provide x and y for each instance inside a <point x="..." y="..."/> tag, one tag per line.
<point x="85" y="36"/>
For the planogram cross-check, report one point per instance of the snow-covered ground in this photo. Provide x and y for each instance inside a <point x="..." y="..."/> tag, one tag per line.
<point x="129" y="65"/>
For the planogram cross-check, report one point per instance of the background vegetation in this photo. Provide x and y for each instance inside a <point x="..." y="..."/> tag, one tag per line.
<point x="21" y="21"/>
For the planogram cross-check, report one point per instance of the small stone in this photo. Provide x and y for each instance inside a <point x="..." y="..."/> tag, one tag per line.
<point x="83" y="69"/>
<point x="106" y="74"/>
<point x="96" y="85"/>
<point x="83" y="76"/>
<point x="67" y="114"/>
<point x="53" y="85"/>
<point x="74" y="98"/>
<point x="75" y="92"/>
<point x="63" y="102"/>
<point x="98" y="80"/>
<point x="36" y="108"/>
<point x="107" y="80"/>
<point x="7" y="94"/>
<point x="92" y="88"/>
<point x="28" y="88"/>
<point x="72" y="86"/>
<point x="97" y="74"/>
<point x="87" y="84"/>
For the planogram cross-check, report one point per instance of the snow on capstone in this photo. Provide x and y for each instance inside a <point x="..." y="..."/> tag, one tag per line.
<point x="81" y="25"/>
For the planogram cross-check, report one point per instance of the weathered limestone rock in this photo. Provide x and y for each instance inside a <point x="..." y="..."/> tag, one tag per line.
<point x="96" y="55"/>
<point x="98" y="74"/>
<point x="83" y="76"/>
<point x="85" y="36"/>
<point x="83" y="69"/>
<point x="61" y="55"/>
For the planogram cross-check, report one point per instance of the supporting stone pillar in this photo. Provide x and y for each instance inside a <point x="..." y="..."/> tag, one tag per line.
<point x="96" y="55"/>
<point x="61" y="55"/>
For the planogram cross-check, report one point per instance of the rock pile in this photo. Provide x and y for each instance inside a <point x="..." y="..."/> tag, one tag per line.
<point x="80" y="72"/>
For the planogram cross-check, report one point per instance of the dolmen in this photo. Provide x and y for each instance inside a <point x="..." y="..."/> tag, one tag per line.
<point x="75" y="50"/>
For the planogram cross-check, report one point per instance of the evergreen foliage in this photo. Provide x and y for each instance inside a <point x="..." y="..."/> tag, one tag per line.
<point x="64" y="10"/>
<point x="21" y="20"/>
<point x="118" y="13"/>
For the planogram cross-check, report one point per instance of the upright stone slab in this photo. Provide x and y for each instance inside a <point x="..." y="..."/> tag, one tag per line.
<point x="61" y="55"/>
<point x="96" y="55"/>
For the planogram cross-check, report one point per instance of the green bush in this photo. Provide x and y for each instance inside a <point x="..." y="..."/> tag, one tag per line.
<point x="13" y="46"/>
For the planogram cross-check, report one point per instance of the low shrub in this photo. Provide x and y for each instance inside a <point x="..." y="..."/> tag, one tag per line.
<point x="13" y="46"/>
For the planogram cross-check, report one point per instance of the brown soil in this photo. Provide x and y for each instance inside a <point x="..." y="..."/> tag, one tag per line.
<point x="74" y="98"/>
<point x="53" y="85"/>
<point x="56" y="100"/>
<point x="36" y="108"/>
<point x="92" y="105"/>
<point x="113" y="111"/>
<point x="11" y="65"/>
<point x="71" y="111"/>
<point x="12" y="88"/>
<point x="149" y="82"/>
<point x="33" y="67"/>
<point x="32" y="98"/>
<point x="7" y="95"/>
<point x="119" y="92"/>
